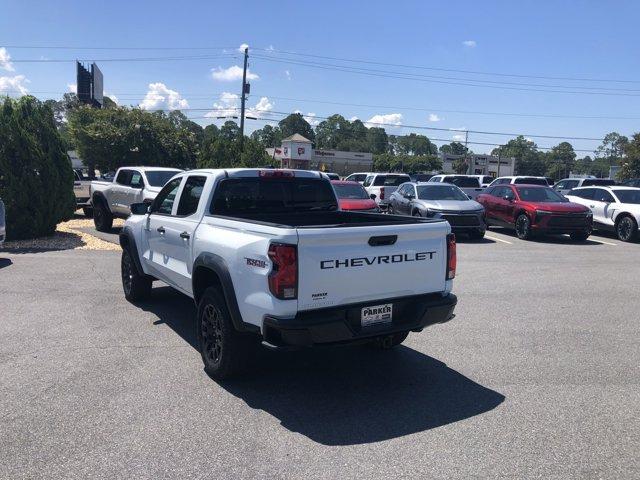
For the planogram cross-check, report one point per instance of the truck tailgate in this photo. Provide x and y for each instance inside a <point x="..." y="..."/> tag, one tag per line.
<point x="339" y="266"/>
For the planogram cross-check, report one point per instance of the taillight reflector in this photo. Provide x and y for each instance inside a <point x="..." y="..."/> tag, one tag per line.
<point x="381" y="193"/>
<point x="452" y="258"/>
<point x="283" y="278"/>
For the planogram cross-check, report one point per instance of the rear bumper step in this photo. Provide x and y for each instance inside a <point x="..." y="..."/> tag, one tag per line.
<point x="342" y="324"/>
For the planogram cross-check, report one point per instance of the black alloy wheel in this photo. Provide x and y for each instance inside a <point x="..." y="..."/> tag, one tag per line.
<point x="627" y="229"/>
<point x="523" y="227"/>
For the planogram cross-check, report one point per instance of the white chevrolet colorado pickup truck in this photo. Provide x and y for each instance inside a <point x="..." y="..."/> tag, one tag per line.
<point x="130" y="185"/>
<point x="268" y="256"/>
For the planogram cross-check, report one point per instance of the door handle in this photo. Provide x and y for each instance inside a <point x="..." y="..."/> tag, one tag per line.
<point x="185" y="235"/>
<point x="160" y="230"/>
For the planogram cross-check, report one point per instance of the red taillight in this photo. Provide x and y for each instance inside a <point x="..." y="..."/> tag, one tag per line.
<point x="276" y="174"/>
<point x="283" y="278"/>
<point x="452" y="258"/>
<point x="381" y="193"/>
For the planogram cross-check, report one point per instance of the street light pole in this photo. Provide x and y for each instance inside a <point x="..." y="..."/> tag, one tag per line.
<point x="243" y="98"/>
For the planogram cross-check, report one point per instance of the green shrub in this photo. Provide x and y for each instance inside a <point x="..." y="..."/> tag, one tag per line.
<point x="36" y="179"/>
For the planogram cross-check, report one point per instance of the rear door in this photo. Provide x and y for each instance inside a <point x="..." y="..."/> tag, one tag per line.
<point x="133" y="194"/>
<point x="346" y="265"/>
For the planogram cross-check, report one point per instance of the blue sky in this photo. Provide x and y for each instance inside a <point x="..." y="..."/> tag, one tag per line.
<point x="566" y="40"/>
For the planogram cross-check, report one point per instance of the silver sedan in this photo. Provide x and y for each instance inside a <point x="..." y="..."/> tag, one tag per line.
<point x="440" y="200"/>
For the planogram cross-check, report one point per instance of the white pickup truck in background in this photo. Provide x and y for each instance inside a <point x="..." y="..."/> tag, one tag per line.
<point x="130" y="185"/>
<point x="380" y="186"/>
<point x="81" y="190"/>
<point x="469" y="184"/>
<point x="268" y="256"/>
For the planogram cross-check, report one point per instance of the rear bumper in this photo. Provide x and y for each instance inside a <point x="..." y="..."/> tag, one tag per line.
<point x="342" y="324"/>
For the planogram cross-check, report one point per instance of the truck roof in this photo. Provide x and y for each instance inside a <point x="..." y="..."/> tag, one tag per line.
<point x="254" y="172"/>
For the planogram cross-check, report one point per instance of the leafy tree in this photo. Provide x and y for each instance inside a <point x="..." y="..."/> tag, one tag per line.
<point x="111" y="138"/>
<point x="414" y="144"/>
<point x="612" y="148"/>
<point x="560" y="161"/>
<point x="454" y="148"/>
<point x="529" y="161"/>
<point x="295" y="123"/>
<point x="36" y="179"/>
<point x="332" y="131"/>
<point x="388" y="162"/>
<point x="268" y="136"/>
<point x="377" y="140"/>
<point x="630" y="167"/>
<point x="460" y="166"/>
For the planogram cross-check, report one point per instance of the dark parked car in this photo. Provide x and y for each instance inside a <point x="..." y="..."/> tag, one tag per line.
<point x="532" y="209"/>
<point x="632" y="182"/>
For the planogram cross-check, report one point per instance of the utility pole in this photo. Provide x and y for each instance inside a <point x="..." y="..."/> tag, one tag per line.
<point x="245" y="90"/>
<point x="466" y="150"/>
<point x="498" y="173"/>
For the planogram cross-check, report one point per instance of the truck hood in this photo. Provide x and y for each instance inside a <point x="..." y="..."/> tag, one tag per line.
<point x="454" y="205"/>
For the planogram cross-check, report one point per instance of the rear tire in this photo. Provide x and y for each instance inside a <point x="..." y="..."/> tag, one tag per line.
<point x="136" y="286"/>
<point x="102" y="218"/>
<point x="388" y="342"/>
<point x="225" y="351"/>
<point x="580" y="236"/>
<point x="523" y="227"/>
<point x="627" y="229"/>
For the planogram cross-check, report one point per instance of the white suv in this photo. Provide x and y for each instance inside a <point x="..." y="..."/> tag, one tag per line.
<point x="380" y="186"/>
<point x="615" y="209"/>
<point x="565" y="185"/>
<point x="520" y="180"/>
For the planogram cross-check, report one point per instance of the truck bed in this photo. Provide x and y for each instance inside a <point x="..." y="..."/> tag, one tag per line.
<point x="327" y="219"/>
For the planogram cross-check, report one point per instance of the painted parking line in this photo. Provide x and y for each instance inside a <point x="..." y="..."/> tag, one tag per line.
<point x="602" y="241"/>
<point x="498" y="239"/>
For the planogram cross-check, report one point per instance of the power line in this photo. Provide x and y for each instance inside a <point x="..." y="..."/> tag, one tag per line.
<point x="326" y="57"/>
<point x="128" y="59"/>
<point x="407" y="76"/>
<point x="439" y="69"/>
<point x="365" y="105"/>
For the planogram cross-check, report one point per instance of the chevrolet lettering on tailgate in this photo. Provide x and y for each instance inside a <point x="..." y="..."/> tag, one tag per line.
<point x="363" y="261"/>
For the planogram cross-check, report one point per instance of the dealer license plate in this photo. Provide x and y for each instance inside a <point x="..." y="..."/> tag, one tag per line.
<point x="376" y="314"/>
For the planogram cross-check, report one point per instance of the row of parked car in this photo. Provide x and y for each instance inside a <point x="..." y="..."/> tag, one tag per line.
<point x="526" y="204"/>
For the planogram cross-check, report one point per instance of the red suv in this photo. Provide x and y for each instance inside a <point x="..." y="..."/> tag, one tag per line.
<point x="353" y="196"/>
<point x="531" y="209"/>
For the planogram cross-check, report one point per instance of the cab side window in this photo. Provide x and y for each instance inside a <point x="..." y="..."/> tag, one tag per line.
<point x="367" y="181"/>
<point x="163" y="204"/>
<point x="601" y="195"/>
<point x="136" y="180"/>
<point x="190" y="196"/>
<point x="124" y="177"/>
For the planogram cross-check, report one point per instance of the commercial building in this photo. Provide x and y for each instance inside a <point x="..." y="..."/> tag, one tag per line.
<point x="481" y="164"/>
<point x="297" y="152"/>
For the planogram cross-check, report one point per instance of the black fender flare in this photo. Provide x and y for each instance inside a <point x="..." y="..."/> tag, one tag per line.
<point x="217" y="265"/>
<point x="128" y="242"/>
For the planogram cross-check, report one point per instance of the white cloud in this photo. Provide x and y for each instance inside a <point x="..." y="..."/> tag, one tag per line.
<point x="311" y="119"/>
<point x="434" y="118"/>
<point x="353" y="119"/>
<point x="160" y="97"/>
<point x="458" y="137"/>
<point x="231" y="74"/>
<point x="5" y="60"/>
<point x="73" y="88"/>
<point x="112" y="97"/>
<point x="242" y="47"/>
<point x="228" y="105"/>
<point x="385" y="120"/>
<point x="270" y="49"/>
<point x="13" y="86"/>
<point x="469" y="43"/>
<point x="288" y="74"/>
<point x="263" y="106"/>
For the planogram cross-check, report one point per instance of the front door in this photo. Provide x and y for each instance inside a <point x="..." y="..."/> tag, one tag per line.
<point x="601" y="206"/>
<point x="160" y="232"/>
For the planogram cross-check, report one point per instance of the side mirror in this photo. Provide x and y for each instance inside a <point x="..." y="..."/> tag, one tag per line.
<point x="409" y="196"/>
<point x="138" y="185"/>
<point x="373" y="196"/>
<point x="140" y="208"/>
<point x="508" y="198"/>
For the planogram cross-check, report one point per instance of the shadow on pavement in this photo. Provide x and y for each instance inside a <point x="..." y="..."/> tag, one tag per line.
<point x="344" y="395"/>
<point x="5" y="262"/>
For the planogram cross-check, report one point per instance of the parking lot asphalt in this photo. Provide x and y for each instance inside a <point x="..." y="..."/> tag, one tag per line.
<point x="537" y="377"/>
